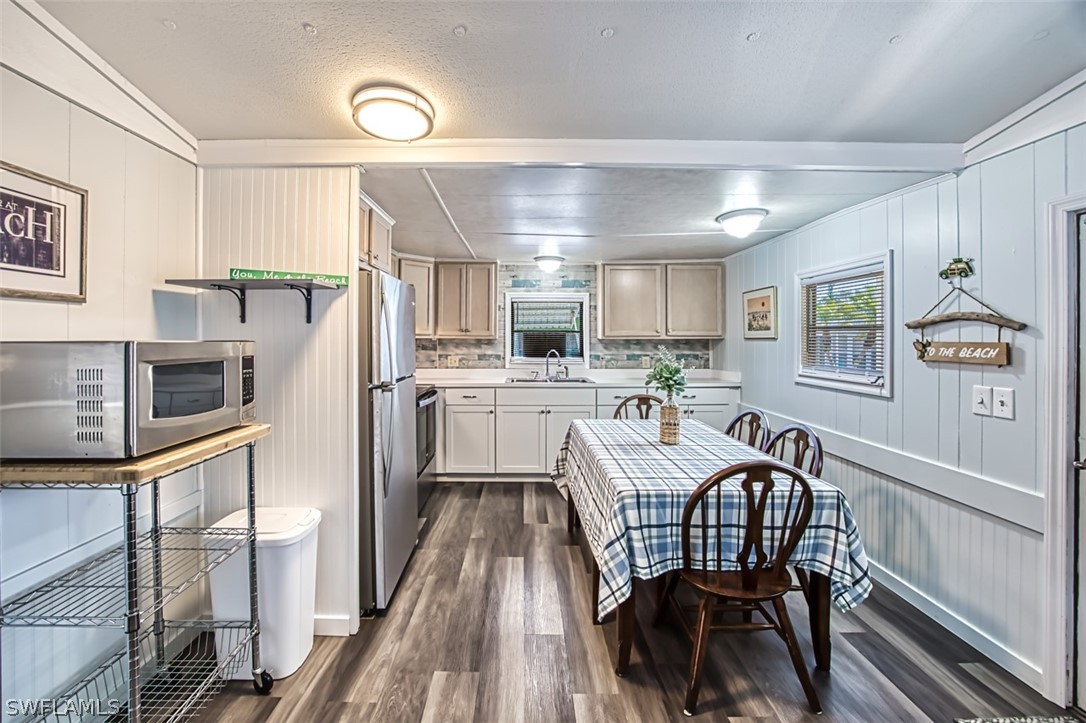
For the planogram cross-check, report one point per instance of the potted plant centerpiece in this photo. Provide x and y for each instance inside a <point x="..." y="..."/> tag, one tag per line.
<point x="668" y="375"/>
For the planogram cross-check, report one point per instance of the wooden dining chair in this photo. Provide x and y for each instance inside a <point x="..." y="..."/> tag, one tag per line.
<point x="642" y="403"/>
<point x="799" y="446"/>
<point x="751" y="427"/>
<point x="757" y="574"/>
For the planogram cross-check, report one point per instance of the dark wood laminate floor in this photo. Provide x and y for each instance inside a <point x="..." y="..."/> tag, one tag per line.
<point x="491" y="623"/>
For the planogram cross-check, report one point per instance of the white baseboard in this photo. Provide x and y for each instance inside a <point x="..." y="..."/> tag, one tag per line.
<point x="334" y="625"/>
<point x="1022" y="669"/>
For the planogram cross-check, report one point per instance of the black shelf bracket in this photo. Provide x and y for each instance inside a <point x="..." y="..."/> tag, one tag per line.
<point x="239" y="294"/>
<point x="307" y="294"/>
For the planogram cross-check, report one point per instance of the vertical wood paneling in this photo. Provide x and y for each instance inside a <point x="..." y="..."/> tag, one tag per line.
<point x="45" y="532"/>
<point x="949" y="375"/>
<point x="874" y="411"/>
<point x="292" y="219"/>
<point x="922" y="288"/>
<point x="1008" y="274"/>
<point x="959" y="558"/>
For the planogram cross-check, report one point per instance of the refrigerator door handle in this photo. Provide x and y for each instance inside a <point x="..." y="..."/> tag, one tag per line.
<point x="387" y="453"/>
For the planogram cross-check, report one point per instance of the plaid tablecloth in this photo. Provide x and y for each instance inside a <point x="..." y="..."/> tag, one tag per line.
<point x="630" y="491"/>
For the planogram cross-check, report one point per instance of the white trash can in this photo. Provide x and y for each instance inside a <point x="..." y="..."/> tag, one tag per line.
<point x="286" y="542"/>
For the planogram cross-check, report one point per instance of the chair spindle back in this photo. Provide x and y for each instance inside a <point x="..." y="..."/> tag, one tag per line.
<point x="750" y="427"/>
<point x="642" y="403"/>
<point x="799" y="446"/>
<point x="766" y="486"/>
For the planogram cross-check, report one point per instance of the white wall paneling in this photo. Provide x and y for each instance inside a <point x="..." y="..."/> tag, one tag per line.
<point x="35" y="46"/>
<point x="141" y="228"/>
<point x="950" y="501"/>
<point x="296" y="219"/>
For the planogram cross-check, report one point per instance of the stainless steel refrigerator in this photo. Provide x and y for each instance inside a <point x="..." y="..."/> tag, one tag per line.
<point x="389" y="492"/>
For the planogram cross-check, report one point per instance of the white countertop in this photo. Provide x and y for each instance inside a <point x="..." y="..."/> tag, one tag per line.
<point x="471" y="378"/>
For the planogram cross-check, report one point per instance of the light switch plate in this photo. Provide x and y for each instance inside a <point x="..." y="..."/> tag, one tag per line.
<point x="1003" y="403"/>
<point x="982" y="401"/>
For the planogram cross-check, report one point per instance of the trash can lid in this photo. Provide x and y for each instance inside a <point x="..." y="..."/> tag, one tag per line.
<point x="276" y="526"/>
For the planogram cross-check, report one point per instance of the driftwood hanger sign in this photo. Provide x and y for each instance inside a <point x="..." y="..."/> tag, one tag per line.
<point x="997" y="353"/>
<point x="964" y="352"/>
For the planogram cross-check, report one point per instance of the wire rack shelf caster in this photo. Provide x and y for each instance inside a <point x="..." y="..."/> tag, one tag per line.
<point x="263" y="682"/>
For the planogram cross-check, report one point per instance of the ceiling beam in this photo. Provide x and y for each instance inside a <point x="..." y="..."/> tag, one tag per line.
<point x="442" y="153"/>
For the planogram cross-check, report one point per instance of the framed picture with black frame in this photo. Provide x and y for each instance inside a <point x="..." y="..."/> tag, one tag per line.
<point x="760" y="313"/>
<point x="43" y="237"/>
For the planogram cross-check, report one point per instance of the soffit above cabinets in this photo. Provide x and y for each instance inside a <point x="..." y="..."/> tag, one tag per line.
<point x="744" y="70"/>
<point x="612" y="214"/>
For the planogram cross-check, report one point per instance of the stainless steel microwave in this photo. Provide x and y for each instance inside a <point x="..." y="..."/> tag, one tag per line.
<point x="111" y="400"/>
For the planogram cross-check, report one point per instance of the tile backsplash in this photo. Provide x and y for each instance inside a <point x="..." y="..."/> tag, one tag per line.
<point x="579" y="278"/>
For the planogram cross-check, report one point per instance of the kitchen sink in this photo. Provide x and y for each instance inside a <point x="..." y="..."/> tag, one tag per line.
<point x="561" y="380"/>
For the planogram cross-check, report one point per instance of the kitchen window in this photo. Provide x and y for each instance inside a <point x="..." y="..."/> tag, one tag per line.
<point x="844" y="326"/>
<point x="537" y="323"/>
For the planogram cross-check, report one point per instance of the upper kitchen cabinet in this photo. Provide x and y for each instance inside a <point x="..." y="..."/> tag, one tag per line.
<point x="662" y="301"/>
<point x="374" y="234"/>
<point x="467" y="303"/>
<point x="420" y="274"/>
<point x="633" y="301"/>
<point x="695" y="300"/>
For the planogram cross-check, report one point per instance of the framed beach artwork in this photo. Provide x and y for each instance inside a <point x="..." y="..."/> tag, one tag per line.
<point x="43" y="237"/>
<point x="760" y="313"/>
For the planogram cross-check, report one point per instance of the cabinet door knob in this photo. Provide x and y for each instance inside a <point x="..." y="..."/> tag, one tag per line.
<point x="491" y="411"/>
<point x="548" y="411"/>
<point x="541" y="411"/>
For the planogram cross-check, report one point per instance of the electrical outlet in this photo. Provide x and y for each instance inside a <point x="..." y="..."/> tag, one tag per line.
<point x="454" y="363"/>
<point x="1003" y="403"/>
<point x="646" y="362"/>
<point x="982" y="401"/>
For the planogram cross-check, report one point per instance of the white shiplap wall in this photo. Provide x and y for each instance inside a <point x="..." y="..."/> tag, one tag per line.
<point x="141" y="229"/>
<point x="951" y="505"/>
<point x="296" y="219"/>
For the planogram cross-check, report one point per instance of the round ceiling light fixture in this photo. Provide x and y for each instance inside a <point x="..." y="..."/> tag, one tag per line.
<point x="742" y="223"/>
<point x="549" y="263"/>
<point x="393" y="114"/>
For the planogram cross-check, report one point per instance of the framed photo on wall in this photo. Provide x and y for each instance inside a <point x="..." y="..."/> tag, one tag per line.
<point x="43" y="237"/>
<point x="760" y="313"/>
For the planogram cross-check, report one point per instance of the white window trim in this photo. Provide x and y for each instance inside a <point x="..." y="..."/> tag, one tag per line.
<point x="511" y="296"/>
<point x="851" y="267"/>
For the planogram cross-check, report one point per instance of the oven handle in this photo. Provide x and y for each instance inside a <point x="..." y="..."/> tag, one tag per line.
<point x="426" y="399"/>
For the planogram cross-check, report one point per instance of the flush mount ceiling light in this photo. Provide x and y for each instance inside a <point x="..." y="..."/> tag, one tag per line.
<point x="393" y="114"/>
<point x="742" y="223"/>
<point x="549" y="263"/>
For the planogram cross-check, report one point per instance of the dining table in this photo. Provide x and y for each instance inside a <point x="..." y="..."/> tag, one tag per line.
<point x="628" y="491"/>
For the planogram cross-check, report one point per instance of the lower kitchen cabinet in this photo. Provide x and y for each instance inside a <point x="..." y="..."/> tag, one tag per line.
<point x="528" y="438"/>
<point x="469" y="439"/>
<point x="522" y="440"/>
<point x="558" y="421"/>
<point x="715" y="415"/>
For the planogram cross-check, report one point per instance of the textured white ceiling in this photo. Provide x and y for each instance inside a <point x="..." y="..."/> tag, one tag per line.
<point x="593" y="214"/>
<point x="542" y="69"/>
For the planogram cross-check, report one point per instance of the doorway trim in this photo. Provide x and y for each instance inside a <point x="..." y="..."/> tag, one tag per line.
<point x="1059" y="432"/>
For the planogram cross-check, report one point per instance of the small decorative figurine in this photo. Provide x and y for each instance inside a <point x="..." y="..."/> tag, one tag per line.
<point x="959" y="267"/>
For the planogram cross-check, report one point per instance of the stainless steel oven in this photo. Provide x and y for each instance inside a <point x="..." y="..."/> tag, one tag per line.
<point x="111" y="400"/>
<point x="426" y="439"/>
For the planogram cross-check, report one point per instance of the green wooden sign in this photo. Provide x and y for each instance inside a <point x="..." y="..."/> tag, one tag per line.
<point x="257" y="274"/>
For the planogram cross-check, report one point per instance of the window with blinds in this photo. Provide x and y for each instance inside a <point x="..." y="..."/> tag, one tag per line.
<point x="537" y="323"/>
<point x="844" y="328"/>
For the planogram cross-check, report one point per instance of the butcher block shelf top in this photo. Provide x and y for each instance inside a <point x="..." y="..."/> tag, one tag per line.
<point x="137" y="470"/>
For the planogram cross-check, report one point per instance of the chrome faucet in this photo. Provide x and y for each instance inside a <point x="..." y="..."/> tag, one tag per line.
<point x="548" y="362"/>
